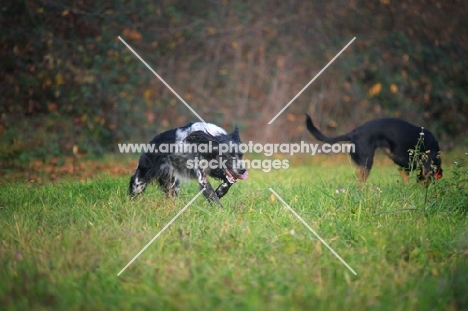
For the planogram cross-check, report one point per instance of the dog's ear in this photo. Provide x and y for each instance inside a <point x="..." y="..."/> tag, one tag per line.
<point x="235" y="135"/>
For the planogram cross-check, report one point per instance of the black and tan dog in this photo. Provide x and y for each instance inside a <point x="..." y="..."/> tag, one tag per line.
<point x="395" y="137"/>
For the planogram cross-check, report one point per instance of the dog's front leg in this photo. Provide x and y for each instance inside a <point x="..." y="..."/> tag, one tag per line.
<point x="223" y="188"/>
<point x="209" y="192"/>
<point x="211" y="195"/>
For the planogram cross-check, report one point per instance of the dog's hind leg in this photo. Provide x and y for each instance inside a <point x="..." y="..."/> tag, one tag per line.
<point x="363" y="173"/>
<point x="364" y="161"/>
<point x="208" y="191"/>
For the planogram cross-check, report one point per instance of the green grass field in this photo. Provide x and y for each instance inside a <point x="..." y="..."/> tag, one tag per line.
<point x="63" y="244"/>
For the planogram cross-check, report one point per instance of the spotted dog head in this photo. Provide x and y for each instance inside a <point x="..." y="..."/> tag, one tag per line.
<point x="234" y="167"/>
<point x="224" y="156"/>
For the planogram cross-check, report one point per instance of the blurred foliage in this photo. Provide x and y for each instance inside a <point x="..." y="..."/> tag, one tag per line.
<point x="70" y="86"/>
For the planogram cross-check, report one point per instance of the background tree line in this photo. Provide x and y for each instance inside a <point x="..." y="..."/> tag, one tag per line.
<point x="70" y="86"/>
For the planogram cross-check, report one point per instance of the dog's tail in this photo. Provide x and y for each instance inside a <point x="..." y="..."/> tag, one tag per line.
<point x="320" y="136"/>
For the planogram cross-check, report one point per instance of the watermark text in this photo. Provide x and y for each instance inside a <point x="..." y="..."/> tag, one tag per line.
<point x="250" y="147"/>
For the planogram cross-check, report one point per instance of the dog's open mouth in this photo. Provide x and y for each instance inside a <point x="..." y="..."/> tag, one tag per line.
<point x="233" y="177"/>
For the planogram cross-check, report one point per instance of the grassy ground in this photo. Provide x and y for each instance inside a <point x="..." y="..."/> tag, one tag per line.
<point x="63" y="244"/>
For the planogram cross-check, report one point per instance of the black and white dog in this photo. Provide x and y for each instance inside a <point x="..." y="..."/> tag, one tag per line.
<point x="194" y="151"/>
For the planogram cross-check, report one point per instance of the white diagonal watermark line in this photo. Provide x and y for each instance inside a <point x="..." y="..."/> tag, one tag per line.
<point x="162" y="80"/>
<point x="316" y="76"/>
<point x="160" y="232"/>
<point x="312" y="230"/>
